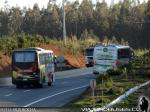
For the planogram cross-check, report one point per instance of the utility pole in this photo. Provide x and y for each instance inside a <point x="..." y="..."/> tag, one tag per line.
<point x="64" y="24"/>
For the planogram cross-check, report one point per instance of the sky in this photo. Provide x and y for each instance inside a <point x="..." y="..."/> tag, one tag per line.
<point x="41" y="3"/>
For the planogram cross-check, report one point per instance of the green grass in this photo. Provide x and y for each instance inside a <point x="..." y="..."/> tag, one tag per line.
<point x="115" y="85"/>
<point x="8" y="44"/>
<point x="132" y="100"/>
<point x="111" y="88"/>
<point x="141" y="52"/>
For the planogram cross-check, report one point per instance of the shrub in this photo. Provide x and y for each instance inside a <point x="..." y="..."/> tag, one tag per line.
<point x="115" y="90"/>
<point x="103" y="100"/>
<point x="114" y="72"/>
<point x="105" y="77"/>
<point x="8" y="44"/>
<point x="109" y="83"/>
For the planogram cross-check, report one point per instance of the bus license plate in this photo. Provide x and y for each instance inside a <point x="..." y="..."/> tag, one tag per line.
<point x="25" y="79"/>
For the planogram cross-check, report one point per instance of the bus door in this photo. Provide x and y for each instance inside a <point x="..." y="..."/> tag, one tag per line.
<point x="45" y="67"/>
<point x="49" y="66"/>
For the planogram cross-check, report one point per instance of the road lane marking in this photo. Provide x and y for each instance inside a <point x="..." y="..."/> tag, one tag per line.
<point x="26" y="90"/>
<point x="9" y="94"/>
<point x="34" y="102"/>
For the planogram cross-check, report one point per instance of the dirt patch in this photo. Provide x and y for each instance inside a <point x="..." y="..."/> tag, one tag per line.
<point x="75" y="60"/>
<point x="5" y="65"/>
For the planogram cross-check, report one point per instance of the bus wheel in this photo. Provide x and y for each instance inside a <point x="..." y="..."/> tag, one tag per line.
<point x="40" y="85"/>
<point x="50" y="82"/>
<point x="18" y="86"/>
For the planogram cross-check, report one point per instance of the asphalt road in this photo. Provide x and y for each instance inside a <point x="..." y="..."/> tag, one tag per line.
<point x="61" y="92"/>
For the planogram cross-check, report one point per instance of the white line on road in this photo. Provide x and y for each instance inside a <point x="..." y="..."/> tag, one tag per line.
<point x="8" y="94"/>
<point x="34" y="102"/>
<point x="26" y="90"/>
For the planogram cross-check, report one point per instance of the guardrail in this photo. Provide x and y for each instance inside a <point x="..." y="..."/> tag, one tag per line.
<point x="126" y="94"/>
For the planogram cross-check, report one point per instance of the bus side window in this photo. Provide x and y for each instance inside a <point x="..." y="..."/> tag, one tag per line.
<point x="47" y="60"/>
<point x="52" y="57"/>
<point x="40" y="59"/>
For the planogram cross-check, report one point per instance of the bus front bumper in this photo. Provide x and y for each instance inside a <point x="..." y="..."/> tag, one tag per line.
<point x="25" y="81"/>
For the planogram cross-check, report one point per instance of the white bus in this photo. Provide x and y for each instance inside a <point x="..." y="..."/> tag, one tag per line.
<point x="110" y="57"/>
<point x="32" y="66"/>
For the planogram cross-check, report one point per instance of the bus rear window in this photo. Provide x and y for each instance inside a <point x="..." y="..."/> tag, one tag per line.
<point x="24" y="57"/>
<point x="89" y="52"/>
<point x="123" y="53"/>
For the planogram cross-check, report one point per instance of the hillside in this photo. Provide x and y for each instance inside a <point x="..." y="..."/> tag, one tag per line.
<point x="5" y="67"/>
<point x="73" y="59"/>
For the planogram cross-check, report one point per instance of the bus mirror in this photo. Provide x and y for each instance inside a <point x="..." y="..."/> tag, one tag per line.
<point x="132" y="54"/>
<point x="55" y="59"/>
<point x="60" y="59"/>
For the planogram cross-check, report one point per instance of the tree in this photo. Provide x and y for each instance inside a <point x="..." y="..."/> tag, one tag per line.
<point x="101" y="17"/>
<point x="113" y="18"/>
<point x="4" y="19"/>
<point x="50" y="24"/>
<point x="85" y="16"/>
<point x="146" y="34"/>
<point x="136" y="19"/>
<point x="14" y="21"/>
<point x="72" y="18"/>
<point x="31" y="20"/>
<point x="3" y="23"/>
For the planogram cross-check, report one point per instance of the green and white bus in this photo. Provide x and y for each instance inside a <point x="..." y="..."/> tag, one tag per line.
<point x="32" y="66"/>
<point x="111" y="57"/>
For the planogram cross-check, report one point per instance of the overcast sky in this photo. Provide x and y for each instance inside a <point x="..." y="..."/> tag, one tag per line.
<point x="41" y="3"/>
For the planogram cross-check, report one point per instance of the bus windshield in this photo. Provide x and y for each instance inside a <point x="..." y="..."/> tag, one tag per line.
<point x="24" y="57"/>
<point x="123" y="53"/>
<point x="89" y="52"/>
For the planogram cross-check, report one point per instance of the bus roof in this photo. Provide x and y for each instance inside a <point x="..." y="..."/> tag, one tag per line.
<point x="115" y="46"/>
<point x="34" y="49"/>
<point x="90" y="48"/>
<point x="37" y="49"/>
<point x="49" y="51"/>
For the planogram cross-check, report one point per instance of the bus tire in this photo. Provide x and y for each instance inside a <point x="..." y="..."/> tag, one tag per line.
<point x="50" y="82"/>
<point x="95" y="73"/>
<point x="19" y="86"/>
<point x="40" y="85"/>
